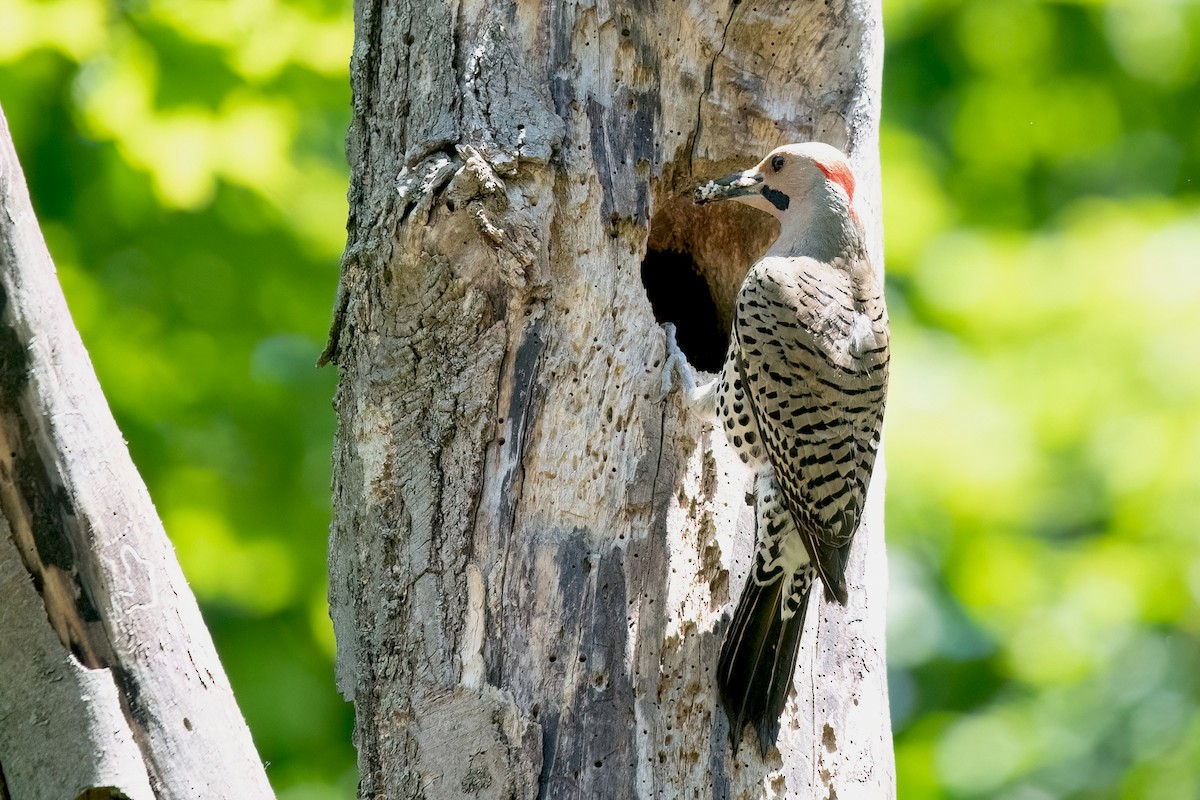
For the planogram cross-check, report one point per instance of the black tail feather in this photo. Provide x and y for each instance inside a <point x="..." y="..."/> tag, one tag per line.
<point x="757" y="660"/>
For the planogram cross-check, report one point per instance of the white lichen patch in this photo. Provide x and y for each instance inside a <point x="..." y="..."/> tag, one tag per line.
<point x="424" y="178"/>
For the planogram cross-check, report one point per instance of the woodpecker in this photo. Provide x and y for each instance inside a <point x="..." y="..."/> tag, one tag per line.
<point x="800" y="398"/>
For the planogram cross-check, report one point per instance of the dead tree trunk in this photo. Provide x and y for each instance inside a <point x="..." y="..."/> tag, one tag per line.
<point x="532" y="555"/>
<point x="109" y="684"/>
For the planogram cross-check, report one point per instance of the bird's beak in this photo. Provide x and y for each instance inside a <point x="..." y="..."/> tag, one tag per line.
<point x="739" y="184"/>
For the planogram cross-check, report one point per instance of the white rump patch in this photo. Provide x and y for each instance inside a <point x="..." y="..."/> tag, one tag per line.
<point x="862" y="337"/>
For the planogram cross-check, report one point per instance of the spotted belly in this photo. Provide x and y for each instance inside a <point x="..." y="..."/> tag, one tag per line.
<point x="735" y="416"/>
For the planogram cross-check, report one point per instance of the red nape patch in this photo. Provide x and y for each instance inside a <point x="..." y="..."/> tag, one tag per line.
<point x="839" y="172"/>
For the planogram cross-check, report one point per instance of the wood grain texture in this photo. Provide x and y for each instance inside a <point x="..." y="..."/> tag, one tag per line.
<point x="82" y="528"/>
<point x="62" y="731"/>
<point x="531" y="557"/>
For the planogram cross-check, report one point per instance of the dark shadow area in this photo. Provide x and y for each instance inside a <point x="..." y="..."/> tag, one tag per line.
<point x="679" y="294"/>
<point x="696" y="257"/>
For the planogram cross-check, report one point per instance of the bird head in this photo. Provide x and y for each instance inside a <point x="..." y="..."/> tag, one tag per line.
<point x="788" y="177"/>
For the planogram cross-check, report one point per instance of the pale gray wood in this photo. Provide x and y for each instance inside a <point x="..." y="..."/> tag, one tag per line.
<point x="87" y="533"/>
<point x="532" y="557"/>
<point x="62" y="730"/>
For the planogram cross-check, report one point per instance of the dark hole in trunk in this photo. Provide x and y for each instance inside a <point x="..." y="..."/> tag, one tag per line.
<point x="679" y="294"/>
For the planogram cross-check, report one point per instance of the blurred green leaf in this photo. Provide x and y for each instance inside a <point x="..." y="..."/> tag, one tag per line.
<point x="1042" y="439"/>
<point x="185" y="159"/>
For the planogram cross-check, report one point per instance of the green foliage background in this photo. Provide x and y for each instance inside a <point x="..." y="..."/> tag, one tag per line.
<point x="186" y="161"/>
<point x="1043" y="236"/>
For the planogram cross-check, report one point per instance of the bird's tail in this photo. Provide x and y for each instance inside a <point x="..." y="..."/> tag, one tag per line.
<point x="758" y="658"/>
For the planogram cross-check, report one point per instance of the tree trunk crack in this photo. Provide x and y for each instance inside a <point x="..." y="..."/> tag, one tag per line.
<point x="708" y="79"/>
<point x="520" y="402"/>
<point x="549" y="749"/>
<point x="662" y="437"/>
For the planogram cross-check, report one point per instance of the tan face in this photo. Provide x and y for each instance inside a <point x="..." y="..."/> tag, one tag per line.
<point x="783" y="179"/>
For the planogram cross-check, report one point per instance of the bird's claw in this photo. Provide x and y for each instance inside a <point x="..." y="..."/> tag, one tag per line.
<point x="676" y="362"/>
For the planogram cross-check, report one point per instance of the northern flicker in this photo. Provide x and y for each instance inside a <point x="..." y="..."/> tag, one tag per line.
<point x="801" y="399"/>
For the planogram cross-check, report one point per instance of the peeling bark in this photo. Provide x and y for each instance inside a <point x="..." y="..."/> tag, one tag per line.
<point x="532" y="555"/>
<point x="109" y="684"/>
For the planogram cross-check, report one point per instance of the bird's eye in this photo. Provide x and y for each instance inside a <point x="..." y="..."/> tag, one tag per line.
<point x="777" y="163"/>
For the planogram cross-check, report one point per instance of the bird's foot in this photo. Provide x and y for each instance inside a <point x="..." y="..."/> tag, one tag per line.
<point x="701" y="399"/>
<point x="676" y="363"/>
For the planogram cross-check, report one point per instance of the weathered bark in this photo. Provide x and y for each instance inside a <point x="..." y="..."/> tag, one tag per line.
<point x="532" y="555"/>
<point x="109" y="683"/>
